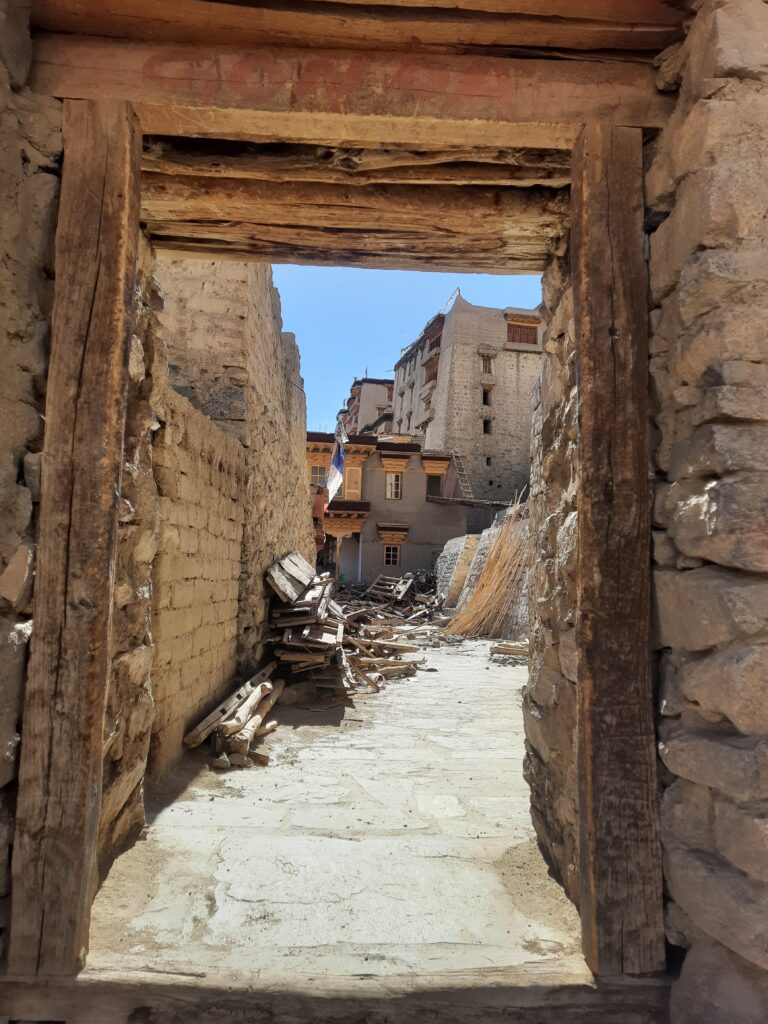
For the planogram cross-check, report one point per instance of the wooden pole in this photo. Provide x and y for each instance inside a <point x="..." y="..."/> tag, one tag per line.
<point x="338" y="558"/>
<point x="620" y="852"/>
<point x="59" y="796"/>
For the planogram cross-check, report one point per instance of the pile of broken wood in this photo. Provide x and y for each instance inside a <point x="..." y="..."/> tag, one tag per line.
<point x="319" y="650"/>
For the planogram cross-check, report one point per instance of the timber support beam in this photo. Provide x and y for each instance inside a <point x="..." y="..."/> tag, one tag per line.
<point x="620" y="851"/>
<point x="60" y="771"/>
<point x="333" y="97"/>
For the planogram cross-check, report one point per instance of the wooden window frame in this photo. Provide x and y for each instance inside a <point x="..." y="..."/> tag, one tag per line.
<point x="396" y="549"/>
<point x="397" y="485"/>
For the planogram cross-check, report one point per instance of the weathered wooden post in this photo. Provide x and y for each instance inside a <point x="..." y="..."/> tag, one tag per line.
<point x="620" y="852"/>
<point x="55" y="846"/>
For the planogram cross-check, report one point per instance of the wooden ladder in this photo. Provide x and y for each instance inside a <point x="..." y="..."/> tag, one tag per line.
<point x="461" y="473"/>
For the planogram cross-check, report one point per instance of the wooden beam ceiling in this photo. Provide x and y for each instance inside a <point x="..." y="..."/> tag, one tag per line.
<point x="448" y="26"/>
<point x="433" y="227"/>
<point x="347" y="165"/>
<point x="340" y="98"/>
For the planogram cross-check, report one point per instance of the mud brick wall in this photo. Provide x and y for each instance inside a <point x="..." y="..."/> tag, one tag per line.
<point x="707" y="196"/>
<point x="30" y="152"/>
<point x="277" y="502"/>
<point x="549" y="703"/>
<point x="201" y="473"/>
<point x="229" y="355"/>
<point x="130" y="707"/>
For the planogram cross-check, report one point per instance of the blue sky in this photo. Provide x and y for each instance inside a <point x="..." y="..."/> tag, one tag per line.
<point x="350" y="321"/>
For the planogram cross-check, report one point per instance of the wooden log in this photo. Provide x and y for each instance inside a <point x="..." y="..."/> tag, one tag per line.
<point x="246" y="710"/>
<point x="337" y="97"/>
<point x="407" y="26"/>
<point x="60" y="767"/>
<point x="620" y="851"/>
<point x="241" y="741"/>
<point x="355" y="166"/>
<point x="267" y="728"/>
<point x="223" y="711"/>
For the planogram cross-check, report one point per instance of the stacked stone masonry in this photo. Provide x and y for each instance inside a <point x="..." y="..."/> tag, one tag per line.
<point x="130" y="707"/>
<point x="550" y="697"/>
<point x="707" y="195"/>
<point x="30" y="154"/>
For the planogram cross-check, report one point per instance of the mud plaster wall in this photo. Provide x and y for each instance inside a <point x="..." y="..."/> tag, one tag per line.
<point x="229" y="355"/>
<point x="30" y="152"/>
<point x="200" y="472"/>
<point x="707" y="196"/>
<point x="549" y="703"/>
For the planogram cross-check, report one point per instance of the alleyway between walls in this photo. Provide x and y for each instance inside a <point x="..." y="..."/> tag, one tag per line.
<point x="384" y="839"/>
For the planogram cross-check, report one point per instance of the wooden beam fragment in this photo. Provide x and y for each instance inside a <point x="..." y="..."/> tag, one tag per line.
<point x="55" y="846"/>
<point x="620" y="852"/>
<point x="345" y="165"/>
<point x="334" y="97"/>
<point x="368" y="26"/>
<point x="477" y="228"/>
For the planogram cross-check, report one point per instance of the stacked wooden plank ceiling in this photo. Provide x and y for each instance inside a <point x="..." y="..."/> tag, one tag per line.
<point x="412" y="133"/>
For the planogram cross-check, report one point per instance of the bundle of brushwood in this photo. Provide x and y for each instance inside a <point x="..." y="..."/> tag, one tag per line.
<point x="496" y="590"/>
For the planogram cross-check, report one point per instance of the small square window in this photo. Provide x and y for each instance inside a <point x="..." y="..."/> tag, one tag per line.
<point x="317" y="475"/>
<point x="486" y="426"/>
<point x="486" y="396"/>
<point x="487" y="460"/>
<point x="434" y="485"/>
<point x="391" y="554"/>
<point x="394" y="485"/>
<point x="490" y="483"/>
<point x="487" y="364"/>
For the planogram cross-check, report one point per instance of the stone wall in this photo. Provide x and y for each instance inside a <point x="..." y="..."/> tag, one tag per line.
<point x="201" y="479"/>
<point x="707" y="195"/>
<point x="130" y="709"/>
<point x="550" y="697"/>
<point x="30" y="152"/>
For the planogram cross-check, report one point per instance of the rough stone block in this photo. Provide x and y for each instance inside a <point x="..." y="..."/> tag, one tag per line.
<point x="718" y="987"/>
<point x="687" y="816"/>
<point x="724" y="521"/>
<point x="741" y="835"/>
<point x="732" y="682"/>
<point x="728" y="41"/>
<point x="17" y="577"/>
<point x="734" y="766"/>
<point x="704" y="608"/>
<point x="723" y="902"/>
<point x="715" y="449"/>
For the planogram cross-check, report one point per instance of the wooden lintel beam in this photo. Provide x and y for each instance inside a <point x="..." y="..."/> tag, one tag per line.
<point x="333" y="97"/>
<point x="619" y="847"/>
<point x="620" y="25"/>
<point x="60" y="768"/>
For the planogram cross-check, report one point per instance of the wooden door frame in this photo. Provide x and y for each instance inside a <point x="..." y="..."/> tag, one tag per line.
<point x="620" y="869"/>
<point x="54" y="860"/>
<point x="60" y="781"/>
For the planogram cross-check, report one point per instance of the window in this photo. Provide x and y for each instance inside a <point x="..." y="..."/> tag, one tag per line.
<point x="317" y="476"/>
<point x="486" y="426"/>
<point x="391" y="554"/>
<point x="487" y="460"/>
<point x="394" y="486"/>
<point x="486" y="396"/>
<point x="434" y="485"/>
<point x="487" y="364"/>
<point x="521" y="334"/>
<point x="490" y="483"/>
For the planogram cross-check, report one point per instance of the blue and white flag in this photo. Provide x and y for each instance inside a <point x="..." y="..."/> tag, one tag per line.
<point x="336" y="472"/>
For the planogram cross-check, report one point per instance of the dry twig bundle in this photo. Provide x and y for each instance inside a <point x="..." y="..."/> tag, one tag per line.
<point x="496" y="589"/>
